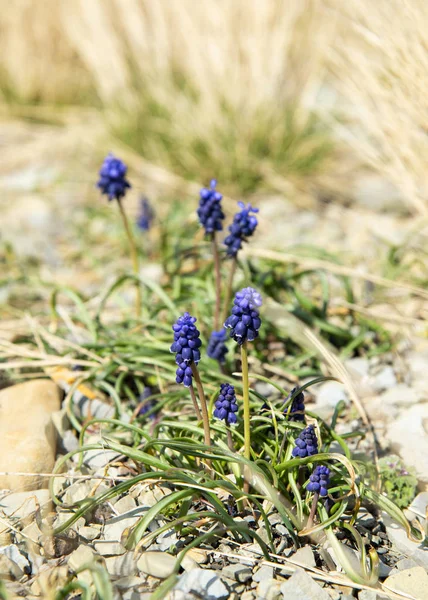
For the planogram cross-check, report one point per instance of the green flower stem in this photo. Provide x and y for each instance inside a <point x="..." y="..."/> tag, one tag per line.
<point x="134" y="257"/>
<point x="246" y="398"/>
<point x="229" y="288"/>
<point x="195" y="403"/>
<point x="204" y="407"/>
<point x="217" y="281"/>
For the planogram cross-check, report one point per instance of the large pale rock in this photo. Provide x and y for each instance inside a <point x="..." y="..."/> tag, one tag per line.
<point x="27" y="434"/>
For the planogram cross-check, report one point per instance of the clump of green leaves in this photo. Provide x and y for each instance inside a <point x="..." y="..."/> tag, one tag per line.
<point x="398" y="481"/>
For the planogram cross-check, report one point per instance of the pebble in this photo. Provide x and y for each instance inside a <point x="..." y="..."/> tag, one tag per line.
<point x="157" y="564"/>
<point x="83" y="555"/>
<point x="264" y="573"/>
<point x="108" y="548"/>
<point x="408" y="435"/>
<point x="410" y="581"/>
<point x="301" y="586"/>
<point x="121" y="566"/>
<point x="23" y="504"/>
<point x="399" y="395"/>
<point x="328" y="396"/>
<point x="418" y="508"/>
<point x="304" y="556"/>
<point x="238" y="572"/>
<point x="89" y="533"/>
<point x="27" y="435"/>
<point x="406" y="563"/>
<point x="384" y="379"/>
<point x="203" y="583"/>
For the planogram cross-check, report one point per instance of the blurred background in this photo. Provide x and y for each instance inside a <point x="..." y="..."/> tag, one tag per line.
<point x="317" y="110"/>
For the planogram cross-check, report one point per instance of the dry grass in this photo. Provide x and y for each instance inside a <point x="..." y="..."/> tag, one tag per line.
<point x="231" y="87"/>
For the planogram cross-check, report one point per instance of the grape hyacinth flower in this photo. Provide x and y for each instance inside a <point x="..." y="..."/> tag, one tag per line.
<point x="146" y="215"/>
<point x="297" y="410"/>
<point x="243" y="226"/>
<point x="210" y="212"/>
<point x="186" y="347"/>
<point x="112" y="181"/>
<point x="226" y="405"/>
<point x="319" y="480"/>
<point x="245" y="321"/>
<point x="217" y="347"/>
<point x="306" y="443"/>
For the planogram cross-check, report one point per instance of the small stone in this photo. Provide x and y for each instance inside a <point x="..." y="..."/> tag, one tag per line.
<point x="405" y="563"/>
<point x="368" y="595"/>
<point x="410" y="581"/>
<point x="60" y="545"/>
<point x="418" y="508"/>
<point x="9" y="570"/>
<point x="358" y="365"/>
<point x="301" y="586"/>
<point x="27" y="435"/>
<point x="89" y="533"/>
<point x="16" y="557"/>
<point x="238" y="572"/>
<point x="328" y="396"/>
<point x="157" y="564"/>
<point x="23" y="504"/>
<point x="399" y="395"/>
<point x="305" y="557"/>
<point x="203" y="583"/>
<point x="198" y="555"/>
<point x="384" y="569"/>
<point x="262" y="533"/>
<point x="166" y="540"/>
<point x="122" y="566"/>
<point x="400" y="541"/>
<point x="98" y="459"/>
<point x="366" y="520"/>
<point x="83" y="555"/>
<point x="269" y="589"/>
<point x="107" y="548"/>
<point x="385" y="379"/>
<point x="263" y="573"/>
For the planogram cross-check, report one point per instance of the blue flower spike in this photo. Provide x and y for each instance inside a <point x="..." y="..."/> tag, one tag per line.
<point x="306" y="443"/>
<point x="226" y="405"/>
<point x="243" y="226"/>
<point x="297" y="410"/>
<point x="245" y="322"/>
<point x="112" y="181"/>
<point x="319" y="481"/>
<point x="216" y="348"/>
<point x="186" y="348"/>
<point x="146" y="215"/>
<point x="210" y="212"/>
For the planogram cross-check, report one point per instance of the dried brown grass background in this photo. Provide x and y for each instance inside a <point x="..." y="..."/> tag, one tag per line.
<point x="361" y="65"/>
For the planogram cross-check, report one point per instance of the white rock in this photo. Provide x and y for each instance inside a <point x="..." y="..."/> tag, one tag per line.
<point x="305" y="557"/>
<point x="157" y="564"/>
<point x="83" y="555"/>
<point x="408" y="436"/>
<point x="358" y="365"/>
<point x="23" y="504"/>
<point x="108" y="548"/>
<point x="238" y="572"/>
<point x="89" y="533"/>
<point x="399" y="395"/>
<point x="122" y="566"/>
<point x="301" y="586"/>
<point x="203" y="582"/>
<point x="399" y="539"/>
<point x="14" y="555"/>
<point x="263" y="573"/>
<point x="418" y="508"/>
<point x="328" y="395"/>
<point x="385" y="379"/>
<point x="27" y="435"/>
<point x="410" y="581"/>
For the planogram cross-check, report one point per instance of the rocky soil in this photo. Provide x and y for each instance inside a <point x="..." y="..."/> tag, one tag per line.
<point x="40" y="199"/>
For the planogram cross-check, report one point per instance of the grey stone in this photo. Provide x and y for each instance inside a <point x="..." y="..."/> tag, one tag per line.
<point x="327" y="397"/>
<point x="368" y="595"/>
<point x="418" y="508"/>
<point x="375" y="192"/>
<point x="89" y="533"/>
<point x="410" y="581"/>
<point x="263" y="573"/>
<point x="166" y="540"/>
<point x="301" y="586"/>
<point x="23" y="504"/>
<point x="15" y="556"/>
<point x="83" y="555"/>
<point x="358" y="365"/>
<point x="157" y="564"/>
<point x="384" y="570"/>
<point x="122" y="566"/>
<point x="385" y="379"/>
<point x="408" y="435"/>
<point x="305" y="557"/>
<point x="98" y="459"/>
<point x="204" y="582"/>
<point x="108" y="548"/>
<point x="9" y="569"/>
<point x="406" y="563"/>
<point x="400" y="395"/>
<point x="238" y="572"/>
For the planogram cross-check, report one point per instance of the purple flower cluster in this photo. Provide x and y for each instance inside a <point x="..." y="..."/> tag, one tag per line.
<point x="112" y="181"/>
<point x="216" y="348"/>
<point x="210" y="212"/>
<point x="226" y="406"/>
<point x="186" y="347"/>
<point x="146" y="215"/>
<point x="297" y="410"/>
<point x="319" y="480"/>
<point x="245" y="321"/>
<point x="306" y="443"/>
<point x="243" y="226"/>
